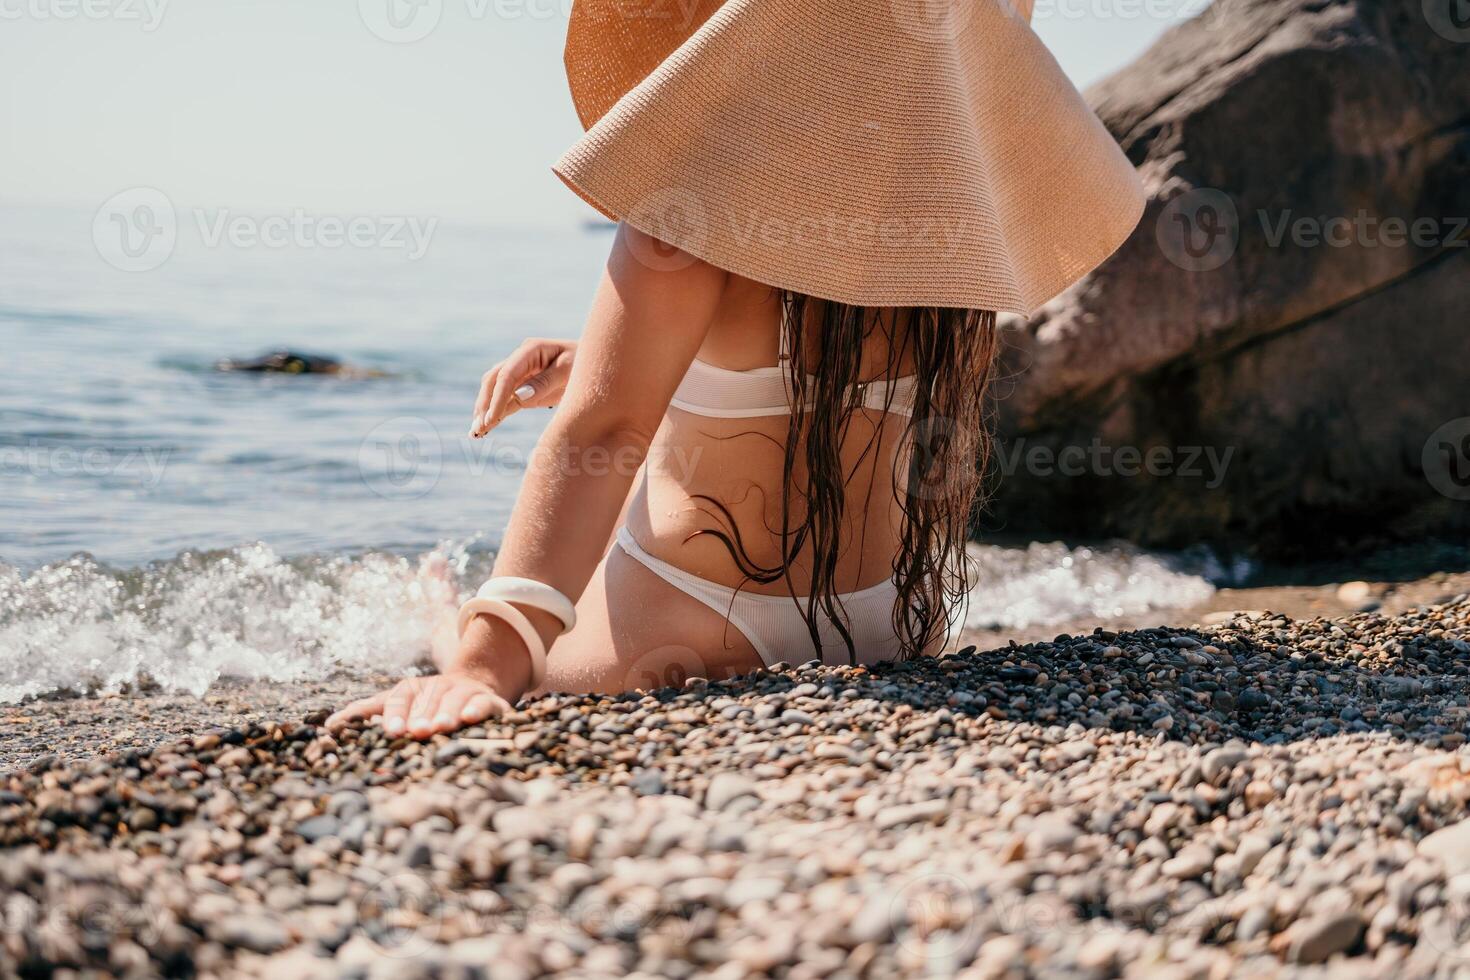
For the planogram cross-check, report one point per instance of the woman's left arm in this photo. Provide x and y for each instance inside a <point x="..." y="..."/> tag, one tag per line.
<point x="647" y="323"/>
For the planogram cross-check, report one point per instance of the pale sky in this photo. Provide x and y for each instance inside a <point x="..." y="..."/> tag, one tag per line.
<point x="300" y="104"/>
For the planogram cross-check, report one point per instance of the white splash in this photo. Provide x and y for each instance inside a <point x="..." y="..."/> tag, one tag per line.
<point x="1048" y="582"/>
<point x="185" y="623"/>
<point x="188" y="622"/>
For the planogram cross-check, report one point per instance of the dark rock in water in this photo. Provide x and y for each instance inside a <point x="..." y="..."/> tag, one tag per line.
<point x="1277" y="356"/>
<point x="293" y="362"/>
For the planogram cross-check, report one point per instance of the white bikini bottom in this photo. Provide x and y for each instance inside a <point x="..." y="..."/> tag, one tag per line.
<point x="774" y="625"/>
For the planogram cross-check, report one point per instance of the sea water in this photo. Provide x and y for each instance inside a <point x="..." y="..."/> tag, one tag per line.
<point x="163" y="521"/>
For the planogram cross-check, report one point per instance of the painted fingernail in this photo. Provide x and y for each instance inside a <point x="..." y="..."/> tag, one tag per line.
<point x="487" y="421"/>
<point x="442" y="720"/>
<point x="525" y="393"/>
<point x="393" y="726"/>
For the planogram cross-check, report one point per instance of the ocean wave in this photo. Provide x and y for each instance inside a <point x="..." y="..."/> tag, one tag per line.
<point x="185" y="623"/>
<point x="1051" y="582"/>
<point x="247" y="613"/>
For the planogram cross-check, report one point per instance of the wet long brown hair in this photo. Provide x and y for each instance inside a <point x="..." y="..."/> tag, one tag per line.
<point x="943" y="454"/>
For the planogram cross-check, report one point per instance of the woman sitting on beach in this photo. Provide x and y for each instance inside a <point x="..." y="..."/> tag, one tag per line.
<point x="769" y="441"/>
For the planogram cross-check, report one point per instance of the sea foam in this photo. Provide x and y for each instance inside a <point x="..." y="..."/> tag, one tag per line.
<point x="184" y="623"/>
<point x="247" y="613"/>
<point x="1050" y="582"/>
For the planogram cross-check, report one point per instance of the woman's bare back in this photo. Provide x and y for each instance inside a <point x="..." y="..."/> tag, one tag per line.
<point x="724" y="475"/>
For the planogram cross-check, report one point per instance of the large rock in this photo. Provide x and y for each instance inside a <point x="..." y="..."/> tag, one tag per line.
<point x="1306" y="376"/>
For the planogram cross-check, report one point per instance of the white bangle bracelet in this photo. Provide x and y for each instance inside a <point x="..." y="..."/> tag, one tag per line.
<point x="535" y="648"/>
<point x="529" y="592"/>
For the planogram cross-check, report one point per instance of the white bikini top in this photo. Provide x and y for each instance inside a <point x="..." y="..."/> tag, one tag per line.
<point x="720" y="393"/>
<point x="717" y="392"/>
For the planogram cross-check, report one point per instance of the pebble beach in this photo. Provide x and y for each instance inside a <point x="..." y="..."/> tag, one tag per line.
<point x="1263" y="797"/>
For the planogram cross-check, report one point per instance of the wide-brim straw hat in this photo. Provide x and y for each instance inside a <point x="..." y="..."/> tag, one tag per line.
<point x="872" y="152"/>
